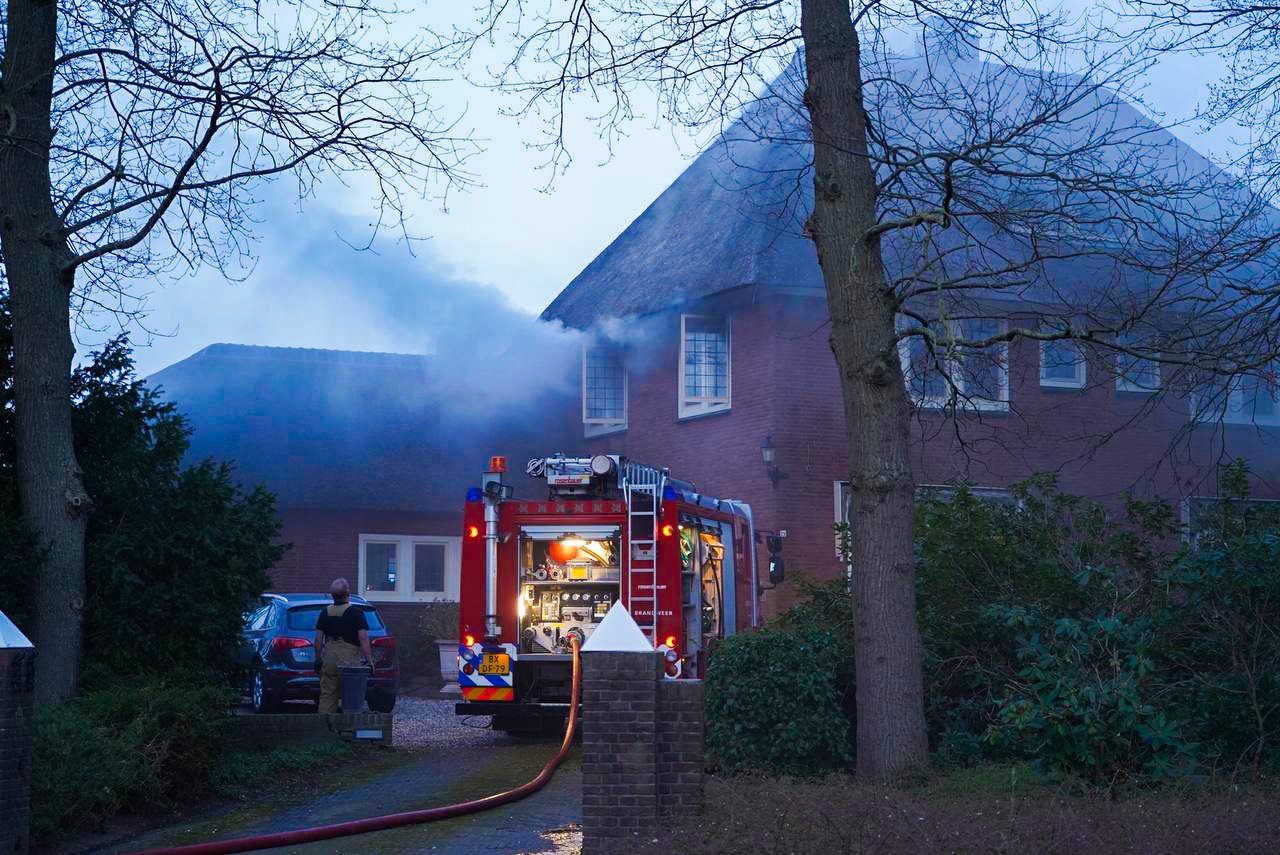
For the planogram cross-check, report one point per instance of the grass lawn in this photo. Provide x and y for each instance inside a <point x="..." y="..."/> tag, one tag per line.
<point x="990" y="809"/>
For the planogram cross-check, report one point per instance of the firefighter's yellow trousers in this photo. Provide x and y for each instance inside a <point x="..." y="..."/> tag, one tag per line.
<point x="336" y="654"/>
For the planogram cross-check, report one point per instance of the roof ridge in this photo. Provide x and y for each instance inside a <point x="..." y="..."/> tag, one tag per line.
<point x="219" y="347"/>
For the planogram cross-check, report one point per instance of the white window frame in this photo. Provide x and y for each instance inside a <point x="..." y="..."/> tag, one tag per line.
<point x="841" y="495"/>
<point x="1123" y="383"/>
<point x="946" y="492"/>
<point x="404" y="592"/>
<point x="690" y="406"/>
<point x="1185" y="511"/>
<point x="599" y="427"/>
<point x="1081" y="366"/>
<point x="842" y="509"/>
<point x="1225" y="412"/>
<point x="955" y="372"/>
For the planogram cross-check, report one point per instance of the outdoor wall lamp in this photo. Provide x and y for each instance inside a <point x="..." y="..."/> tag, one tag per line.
<point x="770" y="456"/>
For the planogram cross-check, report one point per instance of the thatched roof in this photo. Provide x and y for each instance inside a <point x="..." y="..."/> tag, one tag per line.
<point x="351" y="430"/>
<point x="735" y="216"/>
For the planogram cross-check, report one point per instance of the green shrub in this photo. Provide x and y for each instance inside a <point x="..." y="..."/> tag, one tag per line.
<point x="773" y="704"/>
<point x="1050" y="554"/>
<point x="82" y="772"/>
<point x="1085" y="702"/>
<point x="177" y="727"/>
<point x="1219" y="615"/>
<point x="137" y="746"/>
<point x="174" y="554"/>
<point x="439" y="623"/>
<point x="1096" y="644"/>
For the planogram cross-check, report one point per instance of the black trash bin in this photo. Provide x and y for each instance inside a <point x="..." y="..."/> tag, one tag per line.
<point x="355" y="684"/>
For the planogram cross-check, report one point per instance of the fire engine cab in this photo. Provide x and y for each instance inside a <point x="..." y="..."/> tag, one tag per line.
<point x="538" y="573"/>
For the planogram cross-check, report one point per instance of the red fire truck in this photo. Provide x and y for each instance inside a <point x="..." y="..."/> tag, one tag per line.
<point x="537" y="573"/>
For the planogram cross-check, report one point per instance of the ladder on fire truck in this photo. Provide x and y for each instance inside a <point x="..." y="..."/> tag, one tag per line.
<point x="642" y="488"/>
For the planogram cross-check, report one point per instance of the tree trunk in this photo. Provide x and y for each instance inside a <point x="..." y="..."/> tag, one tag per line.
<point x="54" y="502"/>
<point x="891" y="736"/>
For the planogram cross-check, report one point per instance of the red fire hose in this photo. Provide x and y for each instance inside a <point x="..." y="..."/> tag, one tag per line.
<point x="393" y="820"/>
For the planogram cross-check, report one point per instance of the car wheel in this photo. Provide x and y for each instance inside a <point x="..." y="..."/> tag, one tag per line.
<point x="381" y="702"/>
<point x="262" y="701"/>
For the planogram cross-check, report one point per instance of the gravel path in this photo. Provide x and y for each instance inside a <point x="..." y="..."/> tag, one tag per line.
<point x="433" y="724"/>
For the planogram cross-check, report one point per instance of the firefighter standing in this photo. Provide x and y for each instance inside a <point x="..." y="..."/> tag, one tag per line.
<point x="342" y="638"/>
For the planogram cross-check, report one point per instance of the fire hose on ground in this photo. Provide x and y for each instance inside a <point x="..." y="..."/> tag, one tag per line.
<point x="395" y="820"/>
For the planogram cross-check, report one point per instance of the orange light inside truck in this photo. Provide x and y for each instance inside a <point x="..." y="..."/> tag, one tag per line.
<point x="473" y="531"/>
<point x="497" y="464"/>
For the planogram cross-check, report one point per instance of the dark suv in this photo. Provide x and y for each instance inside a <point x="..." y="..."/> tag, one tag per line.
<point x="277" y="647"/>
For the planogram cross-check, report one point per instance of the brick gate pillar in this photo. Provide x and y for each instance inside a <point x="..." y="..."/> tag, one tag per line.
<point x="642" y="738"/>
<point x="619" y="734"/>
<point x="17" y="688"/>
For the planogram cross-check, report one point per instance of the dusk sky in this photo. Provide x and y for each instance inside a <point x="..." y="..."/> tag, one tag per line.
<point x="506" y="239"/>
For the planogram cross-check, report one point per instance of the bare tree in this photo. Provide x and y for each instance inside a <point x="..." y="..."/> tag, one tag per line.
<point x="1245" y="36"/>
<point x="132" y="135"/>
<point x="996" y="184"/>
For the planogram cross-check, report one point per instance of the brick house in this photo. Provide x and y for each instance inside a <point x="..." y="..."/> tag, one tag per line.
<point x="711" y="342"/>
<point x="369" y="456"/>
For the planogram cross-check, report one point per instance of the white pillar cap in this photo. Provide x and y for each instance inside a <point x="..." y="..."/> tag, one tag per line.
<point x="11" y="638"/>
<point x="618" y="633"/>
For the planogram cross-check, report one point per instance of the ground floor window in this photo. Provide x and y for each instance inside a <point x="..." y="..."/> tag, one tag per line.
<point x="1200" y="513"/>
<point x="943" y="492"/>
<point x="410" y="568"/>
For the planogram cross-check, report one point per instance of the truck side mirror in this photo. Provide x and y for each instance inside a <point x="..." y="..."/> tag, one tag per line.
<point x="777" y="569"/>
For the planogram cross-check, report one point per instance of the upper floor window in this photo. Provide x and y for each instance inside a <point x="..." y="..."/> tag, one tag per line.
<point x="1062" y="364"/>
<point x="704" y="365"/>
<point x="1134" y="373"/>
<point x="604" y="390"/>
<point x="939" y="374"/>
<point x="1247" y="400"/>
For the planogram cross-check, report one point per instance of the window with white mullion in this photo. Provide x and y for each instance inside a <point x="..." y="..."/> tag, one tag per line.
<point x="1254" y="401"/>
<point x="939" y="373"/>
<point x="604" y="389"/>
<point x="1135" y="373"/>
<point x="704" y="365"/>
<point x="1250" y="399"/>
<point x="1062" y="364"/>
<point x="409" y="568"/>
<point x="428" y="567"/>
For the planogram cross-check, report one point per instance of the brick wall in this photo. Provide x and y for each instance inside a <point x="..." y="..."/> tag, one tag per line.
<point x="619" y="748"/>
<point x="273" y="731"/>
<point x="326" y="545"/>
<point x="1100" y="442"/>
<point x="681" y="727"/>
<point x="17" y="675"/>
<point x="642" y="748"/>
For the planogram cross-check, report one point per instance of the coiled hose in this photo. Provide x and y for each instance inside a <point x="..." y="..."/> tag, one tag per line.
<point x="394" y="820"/>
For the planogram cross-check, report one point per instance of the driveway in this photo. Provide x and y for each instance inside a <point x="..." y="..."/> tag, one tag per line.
<point x="437" y="760"/>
